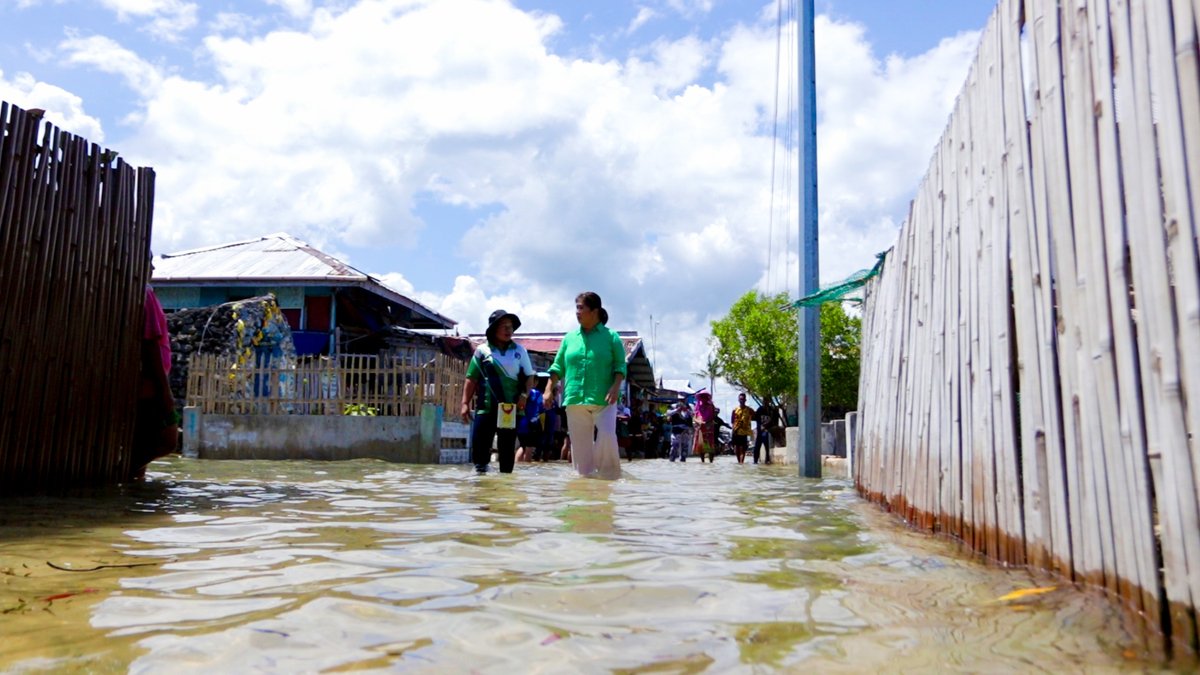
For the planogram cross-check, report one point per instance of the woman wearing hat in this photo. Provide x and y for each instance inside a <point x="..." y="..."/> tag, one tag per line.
<point x="498" y="377"/>
<point x="591" y="364"/>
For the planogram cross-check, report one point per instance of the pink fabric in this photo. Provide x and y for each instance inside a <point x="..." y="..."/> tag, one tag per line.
<point x="705" y="410"/>
<point x="156" y="328"/>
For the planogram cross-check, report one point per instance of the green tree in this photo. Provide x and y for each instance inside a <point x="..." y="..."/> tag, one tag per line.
<point x="840" y="338"/>
<point x="711" y="371"/>
<point x="755" y="348"/>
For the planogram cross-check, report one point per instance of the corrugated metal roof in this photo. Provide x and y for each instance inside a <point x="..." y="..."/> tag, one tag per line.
<point x="275" y="256"/>
<point x="543" y="345"/>
<point x="278" y="258"/>
<point x="681" y="386"/>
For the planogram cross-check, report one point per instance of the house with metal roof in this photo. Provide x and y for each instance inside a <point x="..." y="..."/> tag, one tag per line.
<point x="331" y="307"/>
<point x="675" y="390"/>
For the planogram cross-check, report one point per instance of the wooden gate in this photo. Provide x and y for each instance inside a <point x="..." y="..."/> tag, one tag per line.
<point x="396" y="385"/>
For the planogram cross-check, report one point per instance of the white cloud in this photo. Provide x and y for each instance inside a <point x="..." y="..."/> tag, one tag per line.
<point x="233" y="23"/>
<point x="397" y="282"/>
<point x="470" y="303"/>
<point x="165" y="19"/>
<point x="691" y="7"/>
<point x="106" y="55"/>
<point x="63" y="109"/>
<point x="299" y="9"/>
<point x="877" y="137"/>
<point x="644" y="16"/>
<point x="646" y="180"/>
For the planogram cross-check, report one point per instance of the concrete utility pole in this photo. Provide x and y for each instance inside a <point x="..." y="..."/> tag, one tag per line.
<point x="809" y="410"/>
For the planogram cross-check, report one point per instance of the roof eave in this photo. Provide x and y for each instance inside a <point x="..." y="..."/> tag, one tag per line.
<point x="365" y="283"/>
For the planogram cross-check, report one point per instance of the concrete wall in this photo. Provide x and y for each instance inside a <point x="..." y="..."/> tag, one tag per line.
<point x="455" y="439"/>
<point x="838" y="439"/>
<point x="415" y="440"/>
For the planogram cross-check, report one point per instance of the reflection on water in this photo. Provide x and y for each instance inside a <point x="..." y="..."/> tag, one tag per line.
<point x="305" y="567"/>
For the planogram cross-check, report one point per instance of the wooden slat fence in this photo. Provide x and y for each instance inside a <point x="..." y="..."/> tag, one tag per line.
<point x="396" y="385"/>
<point x="74" y="261"/>
<point x="1031" y="353"/>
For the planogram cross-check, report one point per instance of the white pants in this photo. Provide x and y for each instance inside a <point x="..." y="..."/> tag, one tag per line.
<point x="598" y="456"/>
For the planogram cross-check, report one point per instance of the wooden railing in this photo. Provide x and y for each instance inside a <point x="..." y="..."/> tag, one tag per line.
<point x="1031" y="352"/>
<point x="349" y="384"/>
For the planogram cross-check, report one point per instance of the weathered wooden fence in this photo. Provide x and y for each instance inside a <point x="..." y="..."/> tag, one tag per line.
<point x="74" y="261"/>
<point x="1031" y="353"/>
<point x="397" y="385"/>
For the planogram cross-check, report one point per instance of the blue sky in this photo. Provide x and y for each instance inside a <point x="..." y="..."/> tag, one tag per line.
<point x="487" y="153"/>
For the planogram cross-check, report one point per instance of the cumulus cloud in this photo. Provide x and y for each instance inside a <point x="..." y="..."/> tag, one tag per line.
<point x="647" y="179"/>
<point x="63" y="109"/>
<point x="299" y="9"/>
<point x="644" y="16"/>
<point x="164" y="19"/>
<point x="691" y="7"/>
<point x="106" y="55"/>
<point x="233" y="23"/>
<point x="877" y="137"/>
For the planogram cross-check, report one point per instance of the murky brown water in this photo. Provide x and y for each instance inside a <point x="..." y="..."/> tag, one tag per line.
<point x="307" y="567"/>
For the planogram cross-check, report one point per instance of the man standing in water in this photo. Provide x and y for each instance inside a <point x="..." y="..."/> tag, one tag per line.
<point x="767" y="420"/>
<point x="500" y="373"/>
<point x="742" y="416"/>
<point x="680" y="419"/>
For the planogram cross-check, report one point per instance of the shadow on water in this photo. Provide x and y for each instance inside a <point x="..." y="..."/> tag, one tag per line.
<point x="305" y="567"/>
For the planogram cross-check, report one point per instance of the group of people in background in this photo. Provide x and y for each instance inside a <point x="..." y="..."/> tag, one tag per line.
<point x="696" y="432"/>
<point x="528" y="416"/>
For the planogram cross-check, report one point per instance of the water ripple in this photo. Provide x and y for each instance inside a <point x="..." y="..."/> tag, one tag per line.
<point x="305" y="567"/>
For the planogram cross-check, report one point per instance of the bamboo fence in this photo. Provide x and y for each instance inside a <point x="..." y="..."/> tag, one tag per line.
<point x="74" y="262"/>
<point x="395" y="385"/>
<point x="1031" y="353"/>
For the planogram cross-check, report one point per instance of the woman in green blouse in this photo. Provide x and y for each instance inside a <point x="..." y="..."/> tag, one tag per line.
<point x="591" y="364"/>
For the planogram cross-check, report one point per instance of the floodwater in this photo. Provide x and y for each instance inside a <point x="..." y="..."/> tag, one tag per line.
<point x="232" y="567"/>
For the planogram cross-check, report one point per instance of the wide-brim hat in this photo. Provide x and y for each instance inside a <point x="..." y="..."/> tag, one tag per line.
<point x="499" y="315"/>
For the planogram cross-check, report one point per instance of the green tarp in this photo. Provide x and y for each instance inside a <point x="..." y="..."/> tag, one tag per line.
<point x="838" y="291"/>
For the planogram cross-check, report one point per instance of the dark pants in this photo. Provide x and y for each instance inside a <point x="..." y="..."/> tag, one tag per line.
<point x="740" y="443"/>
<point x="482" y="433"/>
<point x="155" y="434"/>
<point x="763" y="440"/>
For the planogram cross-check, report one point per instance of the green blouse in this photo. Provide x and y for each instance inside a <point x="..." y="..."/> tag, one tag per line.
<point x="586" y="363"/>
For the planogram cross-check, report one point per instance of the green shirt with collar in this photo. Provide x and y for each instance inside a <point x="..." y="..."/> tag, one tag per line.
<point x="586" y="363"/>
<point x="512" y="365"/>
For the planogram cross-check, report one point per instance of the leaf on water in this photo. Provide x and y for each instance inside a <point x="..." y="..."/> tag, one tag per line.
<point x="1024" y="593"/>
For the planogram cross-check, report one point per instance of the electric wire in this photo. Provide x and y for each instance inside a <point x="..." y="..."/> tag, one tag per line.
<point x="774" y="141"/>
<point x="784" y="178"/>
